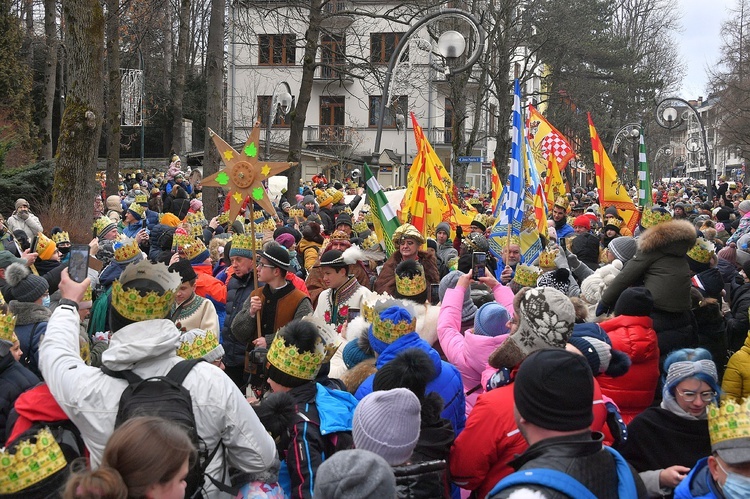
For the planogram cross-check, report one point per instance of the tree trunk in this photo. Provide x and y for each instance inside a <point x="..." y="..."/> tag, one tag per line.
<point x="73" y="189"/>
<point x="114" y="97"/>
<point x="294" y="174"/>
<point x="178" y="77"/>
<point x="50" y="74"/>
<point x="214" y="101"/>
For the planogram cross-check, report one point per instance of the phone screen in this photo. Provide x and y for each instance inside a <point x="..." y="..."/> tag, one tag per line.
<point x="478" y="262"/>
<point x="352" y="314"/>
<point x="143" y="222"/>
<point x="434" y="294"/>
<point x="79" y="262"/>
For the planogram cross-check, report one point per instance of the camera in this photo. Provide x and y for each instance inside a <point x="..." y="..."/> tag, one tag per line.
<point x="258" y="371"/>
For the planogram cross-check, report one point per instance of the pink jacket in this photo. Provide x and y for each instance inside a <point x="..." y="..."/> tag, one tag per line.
<point x="468" y="352"/>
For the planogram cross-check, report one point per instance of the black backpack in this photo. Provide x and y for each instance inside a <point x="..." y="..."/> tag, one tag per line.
<point x="165" y="397"/>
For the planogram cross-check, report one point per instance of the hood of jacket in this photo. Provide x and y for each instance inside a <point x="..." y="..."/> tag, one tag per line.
<point x="628" y="334"/>
<point x="141" y="342"/>
<point x="411" y="340"/>
<point x="675" y="237"/>
<point x="28" y="313"/>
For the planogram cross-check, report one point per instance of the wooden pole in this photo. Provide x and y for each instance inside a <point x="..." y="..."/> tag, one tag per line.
<point x="255" y="261"/>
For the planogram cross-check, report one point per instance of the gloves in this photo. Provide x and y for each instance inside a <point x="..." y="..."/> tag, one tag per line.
<point x="602" y="309"/>
<point x="459" y="231"/>
<point x="573" y="261"/>
<point x="500" y="378"/>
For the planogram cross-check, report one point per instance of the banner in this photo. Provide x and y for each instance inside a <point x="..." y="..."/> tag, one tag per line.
<point x="547" y="141"/>
<point x="383" y="217"/>
<point x="645" y="197"/>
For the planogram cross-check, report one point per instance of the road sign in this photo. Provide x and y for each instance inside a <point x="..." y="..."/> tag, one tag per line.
<point x="470" y="159"/>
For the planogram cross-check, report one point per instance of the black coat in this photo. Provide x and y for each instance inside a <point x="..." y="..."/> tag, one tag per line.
<point x="425" y="480"/>
<point x="737" y="320"/>
<point x="712" y="333"/>
<point x="14" y="380"/>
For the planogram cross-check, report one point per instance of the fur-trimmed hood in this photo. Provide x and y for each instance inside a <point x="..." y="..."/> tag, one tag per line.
<point x="28" y="313"/>
<point x="675" y="237"/>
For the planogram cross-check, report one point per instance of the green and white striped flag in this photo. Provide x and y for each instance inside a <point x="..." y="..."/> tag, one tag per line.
<point x="644" y="177"/>
<point x="383" y="217"/>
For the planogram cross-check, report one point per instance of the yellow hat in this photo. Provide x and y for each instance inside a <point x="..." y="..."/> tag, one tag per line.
<point x="136" y="305"/>
<point x="169" y="219"/>
<point x="323" y="197"/>
<point x="45" y="247"/>
<point x="407" y="231"/>
<point x="336" y="195"/>
<point x="30" y="462"/>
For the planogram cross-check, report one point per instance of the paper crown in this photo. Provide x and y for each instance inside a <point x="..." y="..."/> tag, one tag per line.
<point x="483" y="220"/>
<point x="728" y="423"/>
<point x="141" y="198"/>
<point x="191" y="247"/>
<point x="245" y="242"/>
<point x="2" y="299"/>
<point x="195" y="230"/>
<point x="702" y="251"/>
<point x="195" y="218"/>
<point x="386" y="330"/>
<point x="371" y="242"/>
<point x="339" y="235"/>
<point x="289" y="360"/>
<point x="323" y="198"/>
<point x="126" y="251"/>
<point x="360" y="226"/>
<point x="411" y="286"/>
<point x="613" y="221"/>
<point x="61" y="237"/>
<point x="371" y="302"/>
<point x="547" y="259"/>
<point x="133" y="306"/>
<point x="45" y="247"/>
<point x="329" y="338"/>
<point x="347" y="210"/>
<point x="87" y="295"/>
<point x="336" y="195"/>
<point x="562" y="202"/>
<point x="503" y="240"/>
<point x="527" y="275"/>
<point x="8" y="328"/>
<point x="32" y="461"/>
<point x="266" y="225"/>
<point x="137" y="209"/>
<point x="407" y="231"/>
<point x="649" y="218"/>
<point x="181" y="239"/>
<point x="223" y="218"/>
<point x="296" y="213"/>
<point x="198" y="346"/>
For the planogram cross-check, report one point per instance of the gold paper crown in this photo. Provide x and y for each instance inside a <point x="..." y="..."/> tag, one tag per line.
<point x="614" y="221"/>
<point x="180" y="240"/>
<point x="126" y="250"/>
<point x="371" y="242"/>
<point x="195" y="231"/>
<point x="8" y="328"/>
<point x="408" y="286"/>
<point x="223" y="218"/>
<point x="266" y="225"/>
<point x="2" y="299"/>
<point x="702" y="251"/>
<point x="88" y="294"/>
<point x="199" y="346"/>
<point x="547" y="259"/>
<point x="34" y="460"/>
<point x="323" y="197"/>
<point x="729" y="422"/>
<point x="130" y="304"/>
<point x="45" y="247"/>
<point x="482" y="219"/>
<point x="296" y="213"/>
<point x="339" y="235"/>
<point x="136" y="208"/>
<point x="195" y="218"/>
<point x="526" y="275"/>
<point x="61" y="237"/>
<point x="192" y="248"/>
<point x="372" y="302"/>
<point x="329" y="338"/>
<point x="245" y="242"/>
<point x="387" y="331"/>
<point x="503" y="240"/>
<point x="562" y="202"/>
<point x="649" y="218"/>
<point x="360" y="226"/>
<point x="141" y="198"/>
<point x="336" y="195"/>
<point x="407" y="230"/>
<point x="347" y="210"/>
<point x="289" y="360"/>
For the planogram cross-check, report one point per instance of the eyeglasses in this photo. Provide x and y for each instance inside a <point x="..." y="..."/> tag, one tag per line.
<point x="689" y="396"/>
<point x="265" y="265"/>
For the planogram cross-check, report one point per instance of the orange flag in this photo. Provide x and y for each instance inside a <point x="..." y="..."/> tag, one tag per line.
<point x="546" y="140"/>
<point x="611" y="190"/>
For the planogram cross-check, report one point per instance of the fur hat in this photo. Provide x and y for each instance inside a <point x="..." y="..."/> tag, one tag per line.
<point x="546" y="317"/>
<point x="25" y="286"/>
<point x="412" y="368"/>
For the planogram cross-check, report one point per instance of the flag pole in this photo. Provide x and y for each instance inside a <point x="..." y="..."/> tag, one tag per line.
<point x="255" y="261"/>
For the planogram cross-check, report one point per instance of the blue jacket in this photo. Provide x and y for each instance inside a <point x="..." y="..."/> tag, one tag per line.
<point x="447" y="382"/>
<point x="698" y="484"/>
<point x="238" y="291"/>
<point x="14" y="380"/>
<point x="565" y="231"/>
<point x="30" y="344"/>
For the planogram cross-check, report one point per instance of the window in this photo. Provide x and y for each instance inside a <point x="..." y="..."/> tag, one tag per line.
<point x="276" y="50"/>
<point x="399" y="105"/>
<point x="264" y="104"/>
<point x="383" y="45"/>
<point x="332" y="55"/>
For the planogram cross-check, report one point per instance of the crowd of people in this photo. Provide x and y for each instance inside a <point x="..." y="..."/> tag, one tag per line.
<point x="287" y="356"/>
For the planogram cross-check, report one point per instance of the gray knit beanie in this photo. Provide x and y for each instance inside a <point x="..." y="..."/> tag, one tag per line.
<point x="445" y="227"/>
<point x="623" y="248"/>
<point x="355" y="474"/>
<point x="468" y="309"/>
<point x="26" y="287"/>
<point x="387" y="423"/>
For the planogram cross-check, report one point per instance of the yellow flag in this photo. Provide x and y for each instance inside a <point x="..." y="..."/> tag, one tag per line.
<point x="554" y="186"/>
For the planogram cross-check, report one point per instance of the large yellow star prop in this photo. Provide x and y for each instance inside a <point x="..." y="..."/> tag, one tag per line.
<point x="244" y="173"/>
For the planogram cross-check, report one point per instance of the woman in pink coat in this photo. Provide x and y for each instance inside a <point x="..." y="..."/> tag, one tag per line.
<point x="469" y="352"/>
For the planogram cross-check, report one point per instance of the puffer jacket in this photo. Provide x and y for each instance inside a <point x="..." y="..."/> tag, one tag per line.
<point x="238" y="291"/>
<point x="634" y="391"/>
<point x="661" y="264"/>
<point x="699" y="484"/>
<point x="468" y="352"/>
<point x="424" y="480"/>
<point x="14" y="380"/>
<point x="149" y="348"/>
<point x="446" y="383"/>
<point x="212" y="289"/>
<point x="31" y="325"/>
<point x="309" y="251"/>
<point x="736" y="381"/>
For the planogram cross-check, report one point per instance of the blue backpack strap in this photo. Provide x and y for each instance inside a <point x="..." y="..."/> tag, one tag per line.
<point x="626" y="483"/>
<point x="551" y="479"/>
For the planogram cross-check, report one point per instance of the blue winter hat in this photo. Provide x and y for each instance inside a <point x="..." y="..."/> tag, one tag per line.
<point x="390" y="325"/>
<point x="491" y="320"/>
<point x="353" y="355"/>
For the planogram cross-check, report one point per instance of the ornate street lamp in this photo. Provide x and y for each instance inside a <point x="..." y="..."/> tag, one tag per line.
<point x="632" y="132"/>
<point x="451" y="45"/>
<point x="280" y="102"/>
<point x="668" y="116"/>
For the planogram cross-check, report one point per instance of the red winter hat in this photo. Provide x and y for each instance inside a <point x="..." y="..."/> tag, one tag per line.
<point x="582" y="221"/>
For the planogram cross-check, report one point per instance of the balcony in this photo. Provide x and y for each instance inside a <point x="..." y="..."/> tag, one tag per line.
<point x="334" y="14"/>
<point x="332" y="73"/>
<point x="328" y="135"/>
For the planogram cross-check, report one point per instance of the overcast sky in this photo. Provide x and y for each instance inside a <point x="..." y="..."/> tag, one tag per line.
<point x="700" y="41"/>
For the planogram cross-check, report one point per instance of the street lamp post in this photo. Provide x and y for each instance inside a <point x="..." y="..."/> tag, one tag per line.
<point x="632" y="132"/>
<point x="667" y="116"/>
<point x="451" y="45"/>
<point x="279" y="102"/>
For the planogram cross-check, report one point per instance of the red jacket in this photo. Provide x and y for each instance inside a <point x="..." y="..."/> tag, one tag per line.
<point x="490" y="440"/>
<point x="36" y="404"/>
<point x="634" y="391"/>
<point x="298" y="282"/>
<point x="209" y="286"/>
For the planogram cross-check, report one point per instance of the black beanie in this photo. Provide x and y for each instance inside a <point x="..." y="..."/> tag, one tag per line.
<point x="185" y="269"/>
<point x="413" y="369"/>
<point x="636" y="302"/>
<point x="554" y="390"/>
